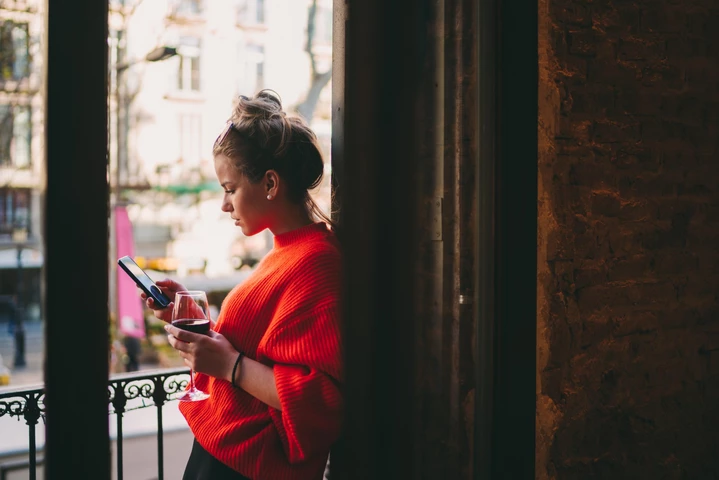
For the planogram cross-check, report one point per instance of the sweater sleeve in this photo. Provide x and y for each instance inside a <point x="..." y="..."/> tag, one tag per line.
<point x="305" y="349"/>
<point x="307" y="371"/>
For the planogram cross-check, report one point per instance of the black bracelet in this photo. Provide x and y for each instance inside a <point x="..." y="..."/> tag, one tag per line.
<point x="234" y="369"/>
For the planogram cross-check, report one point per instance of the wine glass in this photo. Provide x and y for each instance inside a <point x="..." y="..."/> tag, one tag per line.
<point x="192" y="313"/>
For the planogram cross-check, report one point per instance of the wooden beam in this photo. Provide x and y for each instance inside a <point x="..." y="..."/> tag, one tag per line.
<point x="76" y="241"/>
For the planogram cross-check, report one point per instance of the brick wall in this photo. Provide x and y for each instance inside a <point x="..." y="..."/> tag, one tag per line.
<point x="628" y="323"/>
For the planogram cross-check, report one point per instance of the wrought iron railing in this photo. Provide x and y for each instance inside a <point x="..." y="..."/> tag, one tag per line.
<point x="126" y="392"/>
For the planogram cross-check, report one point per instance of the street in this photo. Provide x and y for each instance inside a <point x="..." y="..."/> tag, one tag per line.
<point x="31" y="374"/>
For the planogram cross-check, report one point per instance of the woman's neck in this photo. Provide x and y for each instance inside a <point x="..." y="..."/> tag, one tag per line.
<point x="292" y="220"/>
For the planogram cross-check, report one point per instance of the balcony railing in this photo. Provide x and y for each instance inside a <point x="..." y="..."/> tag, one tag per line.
<point x="125" y="392"/>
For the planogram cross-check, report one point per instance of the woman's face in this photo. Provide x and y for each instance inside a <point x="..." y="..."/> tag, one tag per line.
<point x="246" y="202"/>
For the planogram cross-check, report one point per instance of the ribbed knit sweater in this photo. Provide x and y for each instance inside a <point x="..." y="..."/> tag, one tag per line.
<point x="284" y="315"/>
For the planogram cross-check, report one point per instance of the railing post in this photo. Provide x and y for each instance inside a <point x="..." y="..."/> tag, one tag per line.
<point x="32" y="415"/>
<point x="159" y="396"/>
<point x="118" y="402"/>
<point x="30" y="405"/>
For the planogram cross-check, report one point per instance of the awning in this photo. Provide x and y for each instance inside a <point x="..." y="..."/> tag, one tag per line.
<point x="182" y="189"/>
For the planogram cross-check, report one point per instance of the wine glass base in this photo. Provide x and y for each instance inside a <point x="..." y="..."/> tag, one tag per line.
<point x="193" y="396"/>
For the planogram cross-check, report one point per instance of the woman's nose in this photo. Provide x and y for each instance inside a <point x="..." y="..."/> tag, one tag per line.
<point x="226" y="206"/>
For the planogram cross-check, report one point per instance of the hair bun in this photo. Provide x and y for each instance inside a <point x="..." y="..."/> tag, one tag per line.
<point x="266" y="105"/>
<point x="269" y="94"/>
<point x="267" y="138"/>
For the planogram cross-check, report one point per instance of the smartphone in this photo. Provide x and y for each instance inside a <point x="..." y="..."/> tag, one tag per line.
<point x="143" y="281"/>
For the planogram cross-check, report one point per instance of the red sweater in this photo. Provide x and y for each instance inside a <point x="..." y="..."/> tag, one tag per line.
<point x="285" y="315"/>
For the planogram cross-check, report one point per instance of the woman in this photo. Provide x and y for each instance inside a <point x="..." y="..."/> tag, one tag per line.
<point x="272" y="364"/>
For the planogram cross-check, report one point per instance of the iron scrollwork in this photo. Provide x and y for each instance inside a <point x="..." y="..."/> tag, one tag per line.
<point x="28" y="404"/>
<point x="152" y="388"/>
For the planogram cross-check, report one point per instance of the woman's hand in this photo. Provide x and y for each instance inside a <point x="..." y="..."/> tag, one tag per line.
<point x="169" y="288"/>
<point x="214" y="355"/>
<point x="211" y="354"/>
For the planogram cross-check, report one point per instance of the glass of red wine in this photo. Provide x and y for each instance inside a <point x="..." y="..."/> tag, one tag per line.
<point x="192" y="313"/>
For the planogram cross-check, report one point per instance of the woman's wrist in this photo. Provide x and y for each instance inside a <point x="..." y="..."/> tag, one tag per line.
<point x="236" y="370"/>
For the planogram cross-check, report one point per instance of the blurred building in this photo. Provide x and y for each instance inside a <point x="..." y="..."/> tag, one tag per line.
<point x="21" y="154"/>
<point x="173" y="110"/>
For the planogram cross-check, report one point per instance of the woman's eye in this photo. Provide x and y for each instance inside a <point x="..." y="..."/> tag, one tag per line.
<point x="230" y="191"/>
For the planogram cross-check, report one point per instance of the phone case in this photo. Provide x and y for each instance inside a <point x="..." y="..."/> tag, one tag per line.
<point x="148" y="285"/>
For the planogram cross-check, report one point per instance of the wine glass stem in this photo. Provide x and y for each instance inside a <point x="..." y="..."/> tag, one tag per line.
<point x="192" y="380"/>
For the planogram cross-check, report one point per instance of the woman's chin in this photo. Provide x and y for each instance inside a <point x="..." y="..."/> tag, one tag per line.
<point x="247" y="231"/>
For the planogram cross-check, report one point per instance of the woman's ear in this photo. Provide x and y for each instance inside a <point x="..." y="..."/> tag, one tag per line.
<point x="272" y="183"/>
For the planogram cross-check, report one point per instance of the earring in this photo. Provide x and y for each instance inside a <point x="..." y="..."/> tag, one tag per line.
<point x="269" y="197"/>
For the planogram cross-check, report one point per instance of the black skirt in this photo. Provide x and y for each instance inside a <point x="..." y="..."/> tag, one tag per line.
<point x="203" y="466"/>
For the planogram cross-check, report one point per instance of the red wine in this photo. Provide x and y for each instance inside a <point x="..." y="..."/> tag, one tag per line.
<point x="195" y="325"/>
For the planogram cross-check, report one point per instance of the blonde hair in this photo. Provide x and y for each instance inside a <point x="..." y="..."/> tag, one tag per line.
<point x="261" y="137"/>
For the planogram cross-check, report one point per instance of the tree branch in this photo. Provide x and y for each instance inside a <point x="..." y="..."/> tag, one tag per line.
<point x="308" y="105"/>
<point x="318" y="80"/>
<point x="311" y="15"/>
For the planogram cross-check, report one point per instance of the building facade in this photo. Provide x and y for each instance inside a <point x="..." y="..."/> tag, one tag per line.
<point x="21" y="155"/>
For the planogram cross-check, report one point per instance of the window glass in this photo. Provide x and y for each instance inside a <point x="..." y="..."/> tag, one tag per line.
<point x="6" y="123"/>
<point x="21" y="137"/>
<point x="188" y="73"/>
<point x="187" y="7"/>
<point x="250" y="12"/>
<point x="14" y="210"/>
<point x="15" y="136"/>
<point x="252" y="77"/>
<point x="14" y="50"/>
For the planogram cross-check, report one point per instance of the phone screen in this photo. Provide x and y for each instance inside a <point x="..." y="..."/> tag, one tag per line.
<point x="143" y="280"/>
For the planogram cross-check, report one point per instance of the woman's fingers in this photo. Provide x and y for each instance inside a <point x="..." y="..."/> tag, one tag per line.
<point x="211" y="354"/>
<point x="169" y="285"/>
<point x="184" y="335"/>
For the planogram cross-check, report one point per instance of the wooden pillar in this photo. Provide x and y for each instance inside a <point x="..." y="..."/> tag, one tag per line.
<point x="506" y="240"/>
<point x="434" y="151"/>
<point x="385" y="43"/>
<point x="76" y="236"/>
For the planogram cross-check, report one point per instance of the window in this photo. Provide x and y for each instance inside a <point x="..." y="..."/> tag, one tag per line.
<point x="14" y="51"/>
<point x="15" y="136"/>
<point x="251" y="12"/>
<point x="190" y="139"/>
<point x="188" y="74"/>
<point x="14" y="209"/>
<point x="186" y="7"/>
<point x="252" y="78"/>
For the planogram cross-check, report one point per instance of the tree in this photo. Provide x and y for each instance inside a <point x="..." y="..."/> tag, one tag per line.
<point x="318" y="80"/>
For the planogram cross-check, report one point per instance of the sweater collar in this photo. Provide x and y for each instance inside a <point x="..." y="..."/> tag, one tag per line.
<point x="301" y="234"/>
